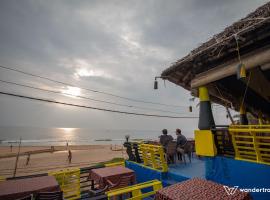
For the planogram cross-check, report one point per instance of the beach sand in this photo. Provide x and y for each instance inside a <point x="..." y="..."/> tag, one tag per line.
<point x="42" y="159"/>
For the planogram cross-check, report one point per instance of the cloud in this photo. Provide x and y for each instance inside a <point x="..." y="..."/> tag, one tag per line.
<point x="115" y="46"/>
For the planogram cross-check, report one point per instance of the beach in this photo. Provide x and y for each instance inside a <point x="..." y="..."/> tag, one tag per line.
<point x="44" y="158"/>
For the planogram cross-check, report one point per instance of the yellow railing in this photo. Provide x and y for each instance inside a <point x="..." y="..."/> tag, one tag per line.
<point x="135" y="192"/>
<point x="2" y="178"/>
<point x="122" y="163"/>
<point x="251" y="142"/>
<point x="153" y="156"/>
<point x="69" y="181"/>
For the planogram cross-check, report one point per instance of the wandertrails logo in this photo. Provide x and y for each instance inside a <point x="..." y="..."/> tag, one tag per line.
<point x="232" y="190"/>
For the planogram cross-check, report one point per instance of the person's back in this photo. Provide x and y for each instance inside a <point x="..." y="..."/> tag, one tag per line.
<point x="181" y="140"/>
<point x="165" y="139"/>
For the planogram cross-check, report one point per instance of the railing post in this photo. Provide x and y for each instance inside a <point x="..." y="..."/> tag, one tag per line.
<point x="153" y="159"/>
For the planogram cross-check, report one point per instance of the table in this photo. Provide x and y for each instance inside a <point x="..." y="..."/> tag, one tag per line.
<point x="112" y="174"/>
<point x="18" y="188"/>
<point x="197" y="188"/>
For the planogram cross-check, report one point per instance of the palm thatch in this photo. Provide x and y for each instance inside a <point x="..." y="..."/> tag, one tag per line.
<point x="252" y="33"/>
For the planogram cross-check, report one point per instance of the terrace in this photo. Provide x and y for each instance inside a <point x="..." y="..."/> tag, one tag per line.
<point x="149" y="164"/>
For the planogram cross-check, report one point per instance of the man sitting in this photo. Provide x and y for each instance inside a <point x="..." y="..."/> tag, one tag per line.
<point x="183" y="146"/>
<point x="164" y="139"/>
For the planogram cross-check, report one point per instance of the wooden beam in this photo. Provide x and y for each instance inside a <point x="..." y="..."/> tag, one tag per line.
<point x="259" y="83"/>
<point x="250" y="60"/>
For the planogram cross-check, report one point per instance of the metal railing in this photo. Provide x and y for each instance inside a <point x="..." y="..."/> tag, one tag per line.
<point x="251" y="142"/>
<point x="136" y="192"/>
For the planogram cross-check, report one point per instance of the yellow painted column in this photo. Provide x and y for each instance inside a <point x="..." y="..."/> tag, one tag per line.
<point x="206" y="119"/>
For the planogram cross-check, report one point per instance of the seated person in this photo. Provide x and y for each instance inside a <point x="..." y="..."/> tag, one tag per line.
<point x="165" y="138"/>
<point x="181" y="142"/>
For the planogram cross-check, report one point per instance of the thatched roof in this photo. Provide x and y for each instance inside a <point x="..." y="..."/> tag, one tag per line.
<point x="251" y="32"/>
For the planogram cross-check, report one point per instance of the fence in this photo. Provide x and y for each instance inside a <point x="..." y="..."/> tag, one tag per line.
<point x="69" y="181"/>
<point x="153" y="156"/>
<point x="251" y="142"/>
<point x="136" y="192"/>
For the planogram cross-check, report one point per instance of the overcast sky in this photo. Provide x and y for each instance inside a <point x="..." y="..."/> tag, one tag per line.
<point x="112" y="46"/>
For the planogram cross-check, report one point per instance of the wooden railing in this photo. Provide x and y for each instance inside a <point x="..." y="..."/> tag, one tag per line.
<point x="136" y="192"/>
<point x="251" y="142"/>
<point x="69" y="181"/>
<point x="153" y="156"/>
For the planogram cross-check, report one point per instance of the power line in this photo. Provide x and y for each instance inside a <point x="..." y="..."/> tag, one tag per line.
<point x="88" y="98"/>
<point x="94" y="108"/>
<point x="87" y="89"/>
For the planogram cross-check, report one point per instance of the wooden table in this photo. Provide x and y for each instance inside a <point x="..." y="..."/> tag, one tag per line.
<point x="14" y="189"/>
<point x="112" y="174"/>
<point x="196" y="188"/>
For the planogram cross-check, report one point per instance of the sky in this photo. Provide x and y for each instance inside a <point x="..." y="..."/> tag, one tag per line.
<point x="114" y="46"/>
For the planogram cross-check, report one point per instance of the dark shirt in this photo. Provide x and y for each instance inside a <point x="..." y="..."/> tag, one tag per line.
<point x="165" y="139"/>
<point x="181" y="140"/>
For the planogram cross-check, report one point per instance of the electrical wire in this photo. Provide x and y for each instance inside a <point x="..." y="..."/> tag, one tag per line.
<point x="88" y="98"/>
<point x="94" y="108"/>
<point x="87" y="89"/>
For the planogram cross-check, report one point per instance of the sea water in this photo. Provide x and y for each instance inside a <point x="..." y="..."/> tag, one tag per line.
<point x="34" y="136"/>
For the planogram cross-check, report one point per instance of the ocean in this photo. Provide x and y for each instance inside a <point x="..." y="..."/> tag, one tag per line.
<point x="33" y="136"/>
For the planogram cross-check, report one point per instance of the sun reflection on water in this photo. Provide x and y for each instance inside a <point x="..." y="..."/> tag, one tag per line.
<point x="68" y="133"/>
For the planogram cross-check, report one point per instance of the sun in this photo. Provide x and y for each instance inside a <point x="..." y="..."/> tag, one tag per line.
<point x="72" y="91"/>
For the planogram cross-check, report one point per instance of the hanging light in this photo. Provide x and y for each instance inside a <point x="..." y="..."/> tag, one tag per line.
<point x="241" y="71"/>
<point x="156" y="84"/>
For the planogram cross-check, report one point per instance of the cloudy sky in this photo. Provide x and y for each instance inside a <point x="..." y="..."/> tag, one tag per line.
<point x="115" y="46"/>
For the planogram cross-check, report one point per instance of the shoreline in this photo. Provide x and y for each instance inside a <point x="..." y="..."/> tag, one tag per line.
<point x="42" y="160"/>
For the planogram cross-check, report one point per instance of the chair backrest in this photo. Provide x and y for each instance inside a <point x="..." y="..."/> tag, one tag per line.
<point x="188" y="148"/>
<point x="171" y="148"/>
<point x="50" y="195"/>
<point x="124" y="181"/>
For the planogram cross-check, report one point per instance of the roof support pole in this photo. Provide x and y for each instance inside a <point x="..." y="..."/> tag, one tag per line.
<point x="206" y="119"/>
<point x="243" y="115"/>
<point x="260" y="120"/>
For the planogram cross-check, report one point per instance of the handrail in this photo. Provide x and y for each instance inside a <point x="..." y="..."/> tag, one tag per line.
<point x="136" y="190"/>
<point x="153" y="156"/>
<point x="69" y="181"/>
<point x="112" y="164"/>
<point x="251" y="142"/>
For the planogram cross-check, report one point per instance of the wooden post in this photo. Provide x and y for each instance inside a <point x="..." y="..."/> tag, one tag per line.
<point x="17" y="158"/>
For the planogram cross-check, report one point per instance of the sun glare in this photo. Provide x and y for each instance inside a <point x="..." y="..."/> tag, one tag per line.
<point x="73" y="91"/>
<point x="67" y="130"/>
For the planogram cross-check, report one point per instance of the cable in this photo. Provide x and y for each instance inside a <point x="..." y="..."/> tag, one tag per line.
<point x="87" y="89"/>
<point x="94" y="108"/>
<point x="88" y="98"/>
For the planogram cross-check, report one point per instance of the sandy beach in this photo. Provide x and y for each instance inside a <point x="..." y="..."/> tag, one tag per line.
<point x="43" y="159"/>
